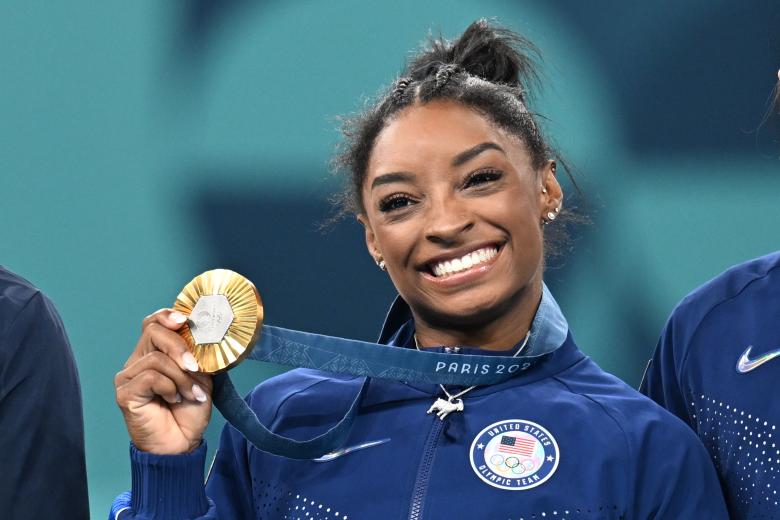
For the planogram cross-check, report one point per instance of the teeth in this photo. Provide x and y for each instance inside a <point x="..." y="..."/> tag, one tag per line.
<point x="467" y="261"/>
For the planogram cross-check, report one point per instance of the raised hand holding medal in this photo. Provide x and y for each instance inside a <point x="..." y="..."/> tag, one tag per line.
<point x="163" y="397"/>
<point x="164" y="388"/>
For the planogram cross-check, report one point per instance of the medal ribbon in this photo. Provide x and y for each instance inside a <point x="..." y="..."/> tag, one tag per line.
<point x="361" y="358"/>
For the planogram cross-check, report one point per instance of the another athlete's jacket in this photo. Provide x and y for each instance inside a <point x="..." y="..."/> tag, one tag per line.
<point x="42" y="467"/>
<point x="562" y="440"/>
<point x="715" y="368"/>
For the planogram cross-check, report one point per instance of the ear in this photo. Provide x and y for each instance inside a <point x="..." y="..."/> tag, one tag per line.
<point x="371" y="245"/>
<point x="551" y="192"/>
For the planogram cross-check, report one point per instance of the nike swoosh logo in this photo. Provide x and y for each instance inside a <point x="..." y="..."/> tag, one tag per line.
<point x="745" y="364"/>
<point x="343" y="451"/>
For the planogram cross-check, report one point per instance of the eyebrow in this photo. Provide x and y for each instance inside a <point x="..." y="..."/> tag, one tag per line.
<point x="458" y="160"/>
<point x="466" y="156"/>
<point x="388" y="178"/>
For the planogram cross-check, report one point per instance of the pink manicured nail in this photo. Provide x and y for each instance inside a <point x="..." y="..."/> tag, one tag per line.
<point x="177" y="317"/>
<point x="200" y="395"/>
<point x="189" y="362"/>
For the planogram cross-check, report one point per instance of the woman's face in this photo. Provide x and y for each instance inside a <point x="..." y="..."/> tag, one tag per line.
<point x="454" y="208"/>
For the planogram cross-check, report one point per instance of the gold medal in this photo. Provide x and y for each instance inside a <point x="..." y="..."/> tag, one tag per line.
<point x="225" y="315"/>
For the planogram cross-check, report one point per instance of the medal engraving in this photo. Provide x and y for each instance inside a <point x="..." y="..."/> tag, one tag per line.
<point x="443" y="408"/>
<point x="210" y="319"/>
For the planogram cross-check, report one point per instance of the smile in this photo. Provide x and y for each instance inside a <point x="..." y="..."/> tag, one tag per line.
<point x="449" y="267"/>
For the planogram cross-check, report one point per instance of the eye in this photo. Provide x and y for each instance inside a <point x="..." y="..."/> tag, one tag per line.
<point x="482" y="177"/>
<point x="395" y="202"/>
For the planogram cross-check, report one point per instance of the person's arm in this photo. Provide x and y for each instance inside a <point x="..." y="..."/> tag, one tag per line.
<point x="676" y="478"/>
<point x="42" y="464"/>
<point x="164" y="413"/>
<point x="171" y="486"/>
<point x="166" y="406"/>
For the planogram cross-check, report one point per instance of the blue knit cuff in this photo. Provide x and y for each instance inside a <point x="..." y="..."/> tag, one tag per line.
<point x="169" y="486"/>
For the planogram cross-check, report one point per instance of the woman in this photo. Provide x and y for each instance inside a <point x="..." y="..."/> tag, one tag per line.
<point x="715" y="367"/>
<point x="454" y="185"/>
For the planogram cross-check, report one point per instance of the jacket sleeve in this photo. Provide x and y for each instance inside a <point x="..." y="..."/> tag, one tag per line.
<point x="676" y="478"/>
<point x="165" y="487"/>
<point x="41" y="424"/>
<point x="171" y="487"/>
<point x="662" y="381"/>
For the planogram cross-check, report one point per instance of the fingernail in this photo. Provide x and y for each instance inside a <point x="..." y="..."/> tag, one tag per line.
<point x="189" y="362"/>
<point x="200" y="395"/>
<point x="177" y="317"/>
<point x="178" y="397"/>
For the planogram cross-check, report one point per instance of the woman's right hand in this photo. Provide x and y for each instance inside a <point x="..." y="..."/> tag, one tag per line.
<point x="165" y="401"/>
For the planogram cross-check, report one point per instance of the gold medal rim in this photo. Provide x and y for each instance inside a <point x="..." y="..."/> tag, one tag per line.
<point x="244" y="330"/>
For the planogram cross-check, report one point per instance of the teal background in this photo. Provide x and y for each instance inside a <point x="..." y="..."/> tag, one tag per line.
<point x="144" y="142"/>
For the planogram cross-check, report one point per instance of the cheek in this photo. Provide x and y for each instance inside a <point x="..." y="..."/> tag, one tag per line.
<point x="395" y="242"/>
<point x="523" y="224"/>
<point x="527" y="236"/>
<point x="519" y="214"/>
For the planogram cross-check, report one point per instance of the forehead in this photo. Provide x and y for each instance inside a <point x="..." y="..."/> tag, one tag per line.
<point x="437" y="131"/>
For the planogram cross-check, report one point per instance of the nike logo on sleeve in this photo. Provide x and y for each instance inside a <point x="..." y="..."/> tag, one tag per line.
<point x="745" y="364"/>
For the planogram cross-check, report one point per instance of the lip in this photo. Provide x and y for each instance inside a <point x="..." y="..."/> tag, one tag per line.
<point x="466" y="276"/>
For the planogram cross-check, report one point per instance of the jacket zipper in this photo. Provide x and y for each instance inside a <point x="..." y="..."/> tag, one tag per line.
<point x="424" y="470"/>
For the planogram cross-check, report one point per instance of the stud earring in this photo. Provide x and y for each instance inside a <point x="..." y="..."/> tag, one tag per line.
<point x="552" y="215"/>
<point x="544" y="190"/>
<point x="381" y="264"/>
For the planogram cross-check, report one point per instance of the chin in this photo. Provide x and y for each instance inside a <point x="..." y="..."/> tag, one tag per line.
<point x="466" y="311"/>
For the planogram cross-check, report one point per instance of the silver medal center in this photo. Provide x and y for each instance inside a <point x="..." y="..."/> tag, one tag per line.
<point x="210" y="319"/>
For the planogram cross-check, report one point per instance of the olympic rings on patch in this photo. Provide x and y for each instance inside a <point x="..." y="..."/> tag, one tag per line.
<point x="497" y="459"/>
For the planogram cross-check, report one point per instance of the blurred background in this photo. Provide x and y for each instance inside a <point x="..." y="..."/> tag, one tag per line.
<point x="144" y="142"/>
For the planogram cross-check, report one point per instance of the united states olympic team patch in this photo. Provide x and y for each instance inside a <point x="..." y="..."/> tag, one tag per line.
<point x="514" y="454"/>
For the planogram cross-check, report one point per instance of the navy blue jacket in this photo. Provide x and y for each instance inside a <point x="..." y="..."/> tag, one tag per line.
<point x="697" y="374"/>
<point x="42" y="468"/>
<point x="562" y="440"/>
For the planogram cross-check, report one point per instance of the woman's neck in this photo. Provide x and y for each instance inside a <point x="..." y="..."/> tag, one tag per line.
<point x="497" y="333"/>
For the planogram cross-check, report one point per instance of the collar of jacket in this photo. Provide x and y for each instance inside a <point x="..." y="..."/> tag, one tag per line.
<point x="548" y="329"/>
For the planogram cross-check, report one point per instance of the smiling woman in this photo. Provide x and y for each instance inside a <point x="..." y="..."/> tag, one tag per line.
<point x="458" y="222"/>
<point x="455" y="186"/>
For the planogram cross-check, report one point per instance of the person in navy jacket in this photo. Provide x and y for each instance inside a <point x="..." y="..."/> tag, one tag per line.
<point x="456" y="188"/>
<point x="716" y="368"/>
<point x="42" y="467"/>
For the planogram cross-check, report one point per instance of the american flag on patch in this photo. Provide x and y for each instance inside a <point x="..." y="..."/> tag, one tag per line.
<point x="517" y="445"/>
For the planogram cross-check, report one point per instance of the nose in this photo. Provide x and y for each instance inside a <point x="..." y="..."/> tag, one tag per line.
<point x="447" y="221"/>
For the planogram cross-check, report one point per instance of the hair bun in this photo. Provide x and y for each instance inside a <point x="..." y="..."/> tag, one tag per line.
<point x="484" y="50"/>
